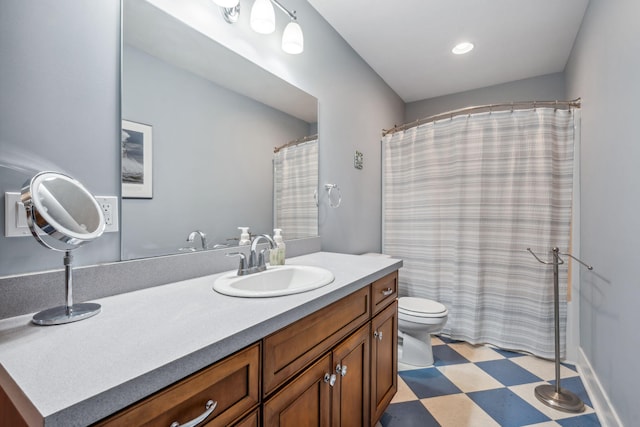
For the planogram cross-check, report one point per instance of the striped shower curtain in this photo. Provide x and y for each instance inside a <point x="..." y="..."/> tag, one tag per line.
<point x="295" y="184"/>
<point x="462" y="200"/>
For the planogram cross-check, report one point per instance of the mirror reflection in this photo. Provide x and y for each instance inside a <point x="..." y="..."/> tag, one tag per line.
<point x="215" y="120"/>
<point x="295" y="187"/>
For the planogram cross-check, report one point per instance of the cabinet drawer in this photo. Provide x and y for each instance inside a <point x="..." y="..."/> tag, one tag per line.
<point x="233" y="383"/>
<point x="384" y="291"/>
<point x="289" y="350"/>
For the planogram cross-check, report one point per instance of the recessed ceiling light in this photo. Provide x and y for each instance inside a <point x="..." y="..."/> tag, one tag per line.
<point x="462" y="48"/>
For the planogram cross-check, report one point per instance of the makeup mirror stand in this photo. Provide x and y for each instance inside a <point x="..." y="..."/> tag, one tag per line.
<point x="62" y="215"/>
<point x="69" y="312"/>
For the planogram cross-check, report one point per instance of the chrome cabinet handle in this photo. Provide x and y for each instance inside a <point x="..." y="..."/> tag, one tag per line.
<point x="330" y="378"/>
<point x="341" y="369"/>
<point x="209" y="408"/>
<point x="387" y="292"/>
<point x="378" y="335"/>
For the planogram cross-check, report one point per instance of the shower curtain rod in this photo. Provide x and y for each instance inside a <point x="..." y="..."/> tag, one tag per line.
<point x="296" y="142"/>
<point x="565" y="105"/>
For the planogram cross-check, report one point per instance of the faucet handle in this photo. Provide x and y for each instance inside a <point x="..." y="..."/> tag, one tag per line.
<point x="242" y="267"/>
<point x="261" y="259"/>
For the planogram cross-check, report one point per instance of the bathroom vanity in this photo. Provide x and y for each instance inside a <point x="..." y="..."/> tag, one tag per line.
<point x="177" y="352"/>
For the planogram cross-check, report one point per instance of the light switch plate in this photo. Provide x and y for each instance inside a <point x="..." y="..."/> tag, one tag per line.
<point x="358" y="160"/>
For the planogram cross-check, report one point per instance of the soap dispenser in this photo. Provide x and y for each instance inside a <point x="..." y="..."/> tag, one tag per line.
<point x="245" y="237"/>
<point x="277" y="254"/>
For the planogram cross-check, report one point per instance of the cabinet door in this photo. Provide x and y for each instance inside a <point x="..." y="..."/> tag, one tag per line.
<point x="306" y="401"/>
<point x="384" y="360"/>
<point x="351" y="361"/>
<point x="251" y="420"/>
<point x="292" y="348"/>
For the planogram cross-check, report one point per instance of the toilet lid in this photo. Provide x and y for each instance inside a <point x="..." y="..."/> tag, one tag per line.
<point x="421" y="307"/>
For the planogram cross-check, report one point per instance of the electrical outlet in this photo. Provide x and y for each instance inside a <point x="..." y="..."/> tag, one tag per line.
<point x="15" y="216"/>
<point x="109" y="206"/>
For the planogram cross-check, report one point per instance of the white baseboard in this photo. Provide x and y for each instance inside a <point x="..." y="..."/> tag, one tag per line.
<point x="601" y="403"/>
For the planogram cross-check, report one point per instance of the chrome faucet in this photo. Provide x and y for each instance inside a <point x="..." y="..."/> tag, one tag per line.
<point x="257" y="261"/>
<point x="259" y="264"/>
<point x="203" y="238"/>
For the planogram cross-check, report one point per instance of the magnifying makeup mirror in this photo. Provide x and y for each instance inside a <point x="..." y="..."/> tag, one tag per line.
<point x="62" y="215"/>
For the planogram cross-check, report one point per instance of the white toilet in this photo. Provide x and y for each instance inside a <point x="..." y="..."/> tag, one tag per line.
<point x="418" y="318"/>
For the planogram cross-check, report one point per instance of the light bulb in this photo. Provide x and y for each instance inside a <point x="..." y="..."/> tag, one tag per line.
<point x="292" y="38"/>
<point x="263" y="17"/>
<point x="227" y="3"/>
<point x="462" y="48"/>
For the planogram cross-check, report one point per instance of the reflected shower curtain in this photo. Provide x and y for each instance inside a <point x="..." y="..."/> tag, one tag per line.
<point x="462" y="200"/>
<point x="295" y="184"/>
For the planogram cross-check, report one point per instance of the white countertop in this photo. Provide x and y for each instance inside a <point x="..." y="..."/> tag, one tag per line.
<point x="142" y="341"/>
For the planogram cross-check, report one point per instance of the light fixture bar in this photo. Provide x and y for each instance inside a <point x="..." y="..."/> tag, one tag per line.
<point x="284" y="9"/>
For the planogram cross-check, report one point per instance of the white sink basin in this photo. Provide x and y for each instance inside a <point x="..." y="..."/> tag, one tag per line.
<point x="273" y="282"/>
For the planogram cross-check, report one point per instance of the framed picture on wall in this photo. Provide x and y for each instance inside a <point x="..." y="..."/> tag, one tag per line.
<point x="137" y="160"/>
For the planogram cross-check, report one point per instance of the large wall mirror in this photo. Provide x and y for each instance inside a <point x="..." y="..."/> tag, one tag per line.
<point x="211" y="120"/>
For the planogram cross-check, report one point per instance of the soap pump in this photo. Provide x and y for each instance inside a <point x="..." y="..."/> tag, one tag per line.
<point x="277" y="254"/>
<point x="245" y="237"/>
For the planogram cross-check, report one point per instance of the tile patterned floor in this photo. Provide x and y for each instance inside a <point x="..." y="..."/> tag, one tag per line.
<point x="478" y="386"/>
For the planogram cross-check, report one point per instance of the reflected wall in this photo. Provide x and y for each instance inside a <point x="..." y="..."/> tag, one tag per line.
<point x="212" y="151"/>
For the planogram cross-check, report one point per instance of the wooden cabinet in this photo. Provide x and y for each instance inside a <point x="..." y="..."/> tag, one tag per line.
<point x="384" y="360"/>
<point x="232" y="386"/>
<point x="335" y="367"/>
<point x="355" y="377"/>
<point x="251" y="420"/>
<point x="383" y="292"/>
<point x="289" y="350"/>
<point x="351" y="362"/>
<point x="334" y="391"/>
<point x="305" y="401"/>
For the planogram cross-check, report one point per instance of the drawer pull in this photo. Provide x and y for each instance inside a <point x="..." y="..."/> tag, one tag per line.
<point x="209" y="408"/>
<point x="341" y="369"/>
<point x="330" y="378"/>
<point x="378" y="335"/>
<point x="387" y="292"/>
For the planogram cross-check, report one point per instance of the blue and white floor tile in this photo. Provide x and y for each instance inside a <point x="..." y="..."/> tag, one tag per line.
<point x="479" y="386"/>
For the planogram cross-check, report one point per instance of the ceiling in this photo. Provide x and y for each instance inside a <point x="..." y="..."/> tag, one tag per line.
<point x="408" y="42"/>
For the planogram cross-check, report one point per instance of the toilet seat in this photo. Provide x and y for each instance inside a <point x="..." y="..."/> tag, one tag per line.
<point x="421" y="307"/>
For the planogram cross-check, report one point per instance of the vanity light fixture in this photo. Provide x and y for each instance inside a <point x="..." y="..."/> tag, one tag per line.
<point x="230" y="9"/>
<point x="462" y="48"/>
<point x="292" y="38"/>
<point x="227" y="3"/>
<point x="263" y="21"/>
<point x="263" y="17"/>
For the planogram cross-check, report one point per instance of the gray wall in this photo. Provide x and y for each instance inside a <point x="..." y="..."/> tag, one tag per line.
<point x="59" y="110"/>
<point x="543" y="88"/>
<point x="603" y="70"/>
<point x="60" y="107"/>
<point x="354" y="105"/>
<point x="212" y="151"/>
